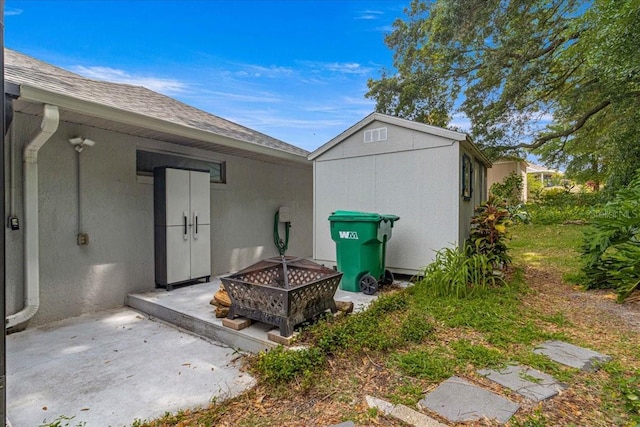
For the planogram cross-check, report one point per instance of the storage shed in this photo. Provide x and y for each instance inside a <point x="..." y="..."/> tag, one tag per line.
<point x="433" y="178"/>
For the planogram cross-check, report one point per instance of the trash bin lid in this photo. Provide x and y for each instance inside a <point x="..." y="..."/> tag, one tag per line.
<point x="388" y="217"/>
<point x="355" y="216"/>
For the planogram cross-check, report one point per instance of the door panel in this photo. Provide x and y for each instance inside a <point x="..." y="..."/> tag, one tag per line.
<point x="200" y="196"/>
<point x="201" y="251"/>
<point x="177" y="197"/>
<point x="178" y="264"/>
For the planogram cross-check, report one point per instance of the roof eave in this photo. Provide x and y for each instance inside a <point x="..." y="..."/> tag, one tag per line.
<point x="479" y="154"/>
<point x="38" y="95"/>
<point x="384" y="118"/>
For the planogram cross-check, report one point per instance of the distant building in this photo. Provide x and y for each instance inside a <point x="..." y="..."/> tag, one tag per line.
<point x="543" y="174"/>
<point x="503" y="168"/>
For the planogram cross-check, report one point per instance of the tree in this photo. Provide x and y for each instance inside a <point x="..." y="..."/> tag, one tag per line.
<point x="559" y="74"/>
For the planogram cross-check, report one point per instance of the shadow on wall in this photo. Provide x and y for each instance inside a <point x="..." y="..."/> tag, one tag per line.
<point x="243" y="257"/>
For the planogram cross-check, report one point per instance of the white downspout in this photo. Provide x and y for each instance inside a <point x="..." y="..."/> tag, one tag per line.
<point x="49" y="125"/>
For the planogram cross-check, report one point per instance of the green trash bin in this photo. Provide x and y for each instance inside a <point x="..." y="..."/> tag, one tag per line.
<point x="361" y="239"/>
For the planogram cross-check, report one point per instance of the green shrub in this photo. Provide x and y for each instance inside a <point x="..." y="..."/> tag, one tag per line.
<point x="388" y="323"/>
<point x="509" y="189"/>
<point x="612" y="246"/>
<point x="458" y="273"/>
<point x="281" y="365"/>
<point x="534" y="187"/>
<point x="488" y="236"/>
<point x="557" y="206"/>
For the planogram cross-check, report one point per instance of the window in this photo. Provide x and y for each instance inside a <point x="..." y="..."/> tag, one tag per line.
<point x="374" y="135"/>
<point x="467" y="177"/>
<point x="146" y="161"/>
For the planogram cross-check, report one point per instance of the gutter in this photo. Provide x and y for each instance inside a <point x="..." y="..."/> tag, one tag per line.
<point x="49" y="125"/>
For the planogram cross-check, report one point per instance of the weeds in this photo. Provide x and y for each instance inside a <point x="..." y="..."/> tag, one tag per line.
<point x="63" y="421"/>
<point x="430" y="364"/>
<point x="624" y="386"/>
<point x="281" y="365"/>
<point x="458" y="273"/>
<point x="477" y="355"/>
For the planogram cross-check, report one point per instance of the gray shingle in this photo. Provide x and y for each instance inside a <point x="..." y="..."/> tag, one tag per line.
<point x="22" y="69"/>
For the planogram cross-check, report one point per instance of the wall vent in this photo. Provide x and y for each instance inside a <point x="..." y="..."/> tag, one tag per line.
<point x="374" y="135"/>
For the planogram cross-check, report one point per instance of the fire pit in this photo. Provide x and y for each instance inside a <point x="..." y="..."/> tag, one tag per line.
<point x="282" y="291"/>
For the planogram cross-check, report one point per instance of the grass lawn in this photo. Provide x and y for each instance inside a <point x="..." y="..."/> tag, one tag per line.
<point x="409" y="341"/>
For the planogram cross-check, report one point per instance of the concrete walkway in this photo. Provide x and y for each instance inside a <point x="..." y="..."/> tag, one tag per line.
<point x="188" y="307"/>
<point x="110" y="368"/>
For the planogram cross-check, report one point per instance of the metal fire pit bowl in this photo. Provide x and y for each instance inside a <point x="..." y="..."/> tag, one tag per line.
<point x="282" y="291"/>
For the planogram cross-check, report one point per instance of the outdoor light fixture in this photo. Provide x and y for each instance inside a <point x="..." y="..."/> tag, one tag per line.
<point x="79" y="143"/>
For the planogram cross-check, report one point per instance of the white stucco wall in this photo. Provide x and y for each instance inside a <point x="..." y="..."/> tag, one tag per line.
<point x="118" y="216"/>
<point x="412" y="174"/>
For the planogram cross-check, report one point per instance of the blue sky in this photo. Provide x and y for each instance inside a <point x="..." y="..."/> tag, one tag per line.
<point x="295" y="70"/>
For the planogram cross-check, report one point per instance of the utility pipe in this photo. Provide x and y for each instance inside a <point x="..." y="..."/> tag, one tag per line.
<point x="49" y="125"/>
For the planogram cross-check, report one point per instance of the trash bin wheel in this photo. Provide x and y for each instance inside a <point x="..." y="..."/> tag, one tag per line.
<point x="388" y="278"/>
<point x="368" y="284"/>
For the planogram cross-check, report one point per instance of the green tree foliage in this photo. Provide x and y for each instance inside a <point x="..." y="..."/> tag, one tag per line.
<point x="612" y="246"/>
<point x="559" y="74"/>
<point x="509" y="189"/>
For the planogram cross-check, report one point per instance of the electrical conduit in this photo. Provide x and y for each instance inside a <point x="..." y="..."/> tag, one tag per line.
<point x="49" y="125"/>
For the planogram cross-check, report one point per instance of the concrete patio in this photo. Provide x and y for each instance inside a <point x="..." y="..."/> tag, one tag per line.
<point x="165" y="352"/>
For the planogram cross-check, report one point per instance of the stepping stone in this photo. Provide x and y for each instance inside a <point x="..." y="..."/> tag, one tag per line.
<point x="345" y="424"/>
<point x="572" y="355"/>
<point x="525" y="381"/>
<point x="458" y="400"/>
<point x="403" y="413"/>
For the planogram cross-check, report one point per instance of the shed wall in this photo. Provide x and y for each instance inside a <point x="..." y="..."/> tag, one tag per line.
<point x="478" y="196"/>
<point x="117" y="213"/>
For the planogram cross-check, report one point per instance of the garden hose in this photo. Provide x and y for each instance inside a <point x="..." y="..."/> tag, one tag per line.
<point x="282" y="245"/>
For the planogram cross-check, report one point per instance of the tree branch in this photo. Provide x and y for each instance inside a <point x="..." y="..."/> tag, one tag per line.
<point x="576" y="126"/>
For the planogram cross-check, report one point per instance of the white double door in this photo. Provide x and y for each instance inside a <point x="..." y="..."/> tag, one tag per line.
<point x="188" y="225"/>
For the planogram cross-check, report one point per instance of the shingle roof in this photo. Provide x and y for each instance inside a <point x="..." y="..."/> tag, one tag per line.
<point x="21" y="69"/>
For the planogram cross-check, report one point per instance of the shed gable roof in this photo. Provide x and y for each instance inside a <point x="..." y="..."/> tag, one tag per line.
<point x="408" y="124"/>
<point x="23" y="70"/>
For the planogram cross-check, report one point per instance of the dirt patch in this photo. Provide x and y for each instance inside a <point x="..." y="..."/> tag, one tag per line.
<point x="593" y="310"/>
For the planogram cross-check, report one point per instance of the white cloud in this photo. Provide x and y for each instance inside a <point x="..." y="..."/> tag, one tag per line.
<point x="272" y="71"/>
<point x="347" y="68"/>
<point x="338" y="67"/>
<point x="369" y="14"/>
<point x="162" y="85"/>
<point x="461" y="122"/>
<point x="385" y="29"/>
<point x="12" y="12"/>
<point x="260" y="97"/>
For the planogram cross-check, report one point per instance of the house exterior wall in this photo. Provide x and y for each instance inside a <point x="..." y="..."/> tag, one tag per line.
<point x="117" y="213"/>
<point x="405" y="175"/>
<point x="502" y="169"/>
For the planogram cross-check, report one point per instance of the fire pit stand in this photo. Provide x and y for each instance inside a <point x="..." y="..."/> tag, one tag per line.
<point x="282" y="291"/>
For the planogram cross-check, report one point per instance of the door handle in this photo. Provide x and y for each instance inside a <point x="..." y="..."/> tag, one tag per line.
<point x="195" y="224"/>
<point x="185" y="234"/>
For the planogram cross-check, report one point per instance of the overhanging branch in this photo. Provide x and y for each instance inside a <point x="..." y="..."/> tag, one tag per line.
<point x="576" y="126"/>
